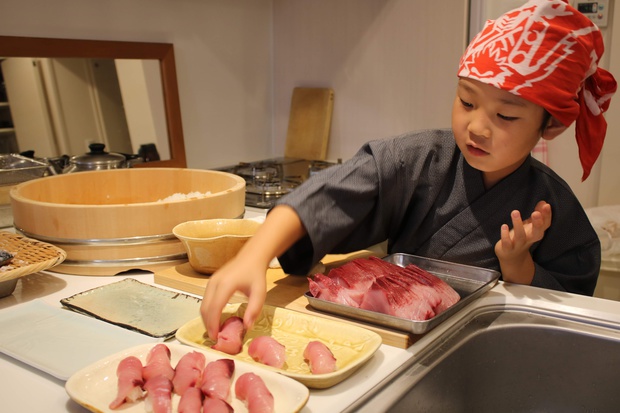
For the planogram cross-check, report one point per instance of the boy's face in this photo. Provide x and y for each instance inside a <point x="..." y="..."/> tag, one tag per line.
<point x="494" y="129"/>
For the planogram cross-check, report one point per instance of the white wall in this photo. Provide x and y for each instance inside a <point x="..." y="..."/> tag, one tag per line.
<point x="609" y="193"/>
<point x="392" y="64"/>
<point x="223" y="58"/>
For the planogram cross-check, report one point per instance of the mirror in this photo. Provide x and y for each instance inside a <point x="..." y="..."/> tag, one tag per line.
<point x="65" y="57"/>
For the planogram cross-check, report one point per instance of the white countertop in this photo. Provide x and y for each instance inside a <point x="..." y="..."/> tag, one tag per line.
<point x="27" y="389"/>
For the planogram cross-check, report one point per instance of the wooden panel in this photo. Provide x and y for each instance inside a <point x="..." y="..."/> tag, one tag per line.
<point x="282" y="291"/>
<point x="309" y="123"/>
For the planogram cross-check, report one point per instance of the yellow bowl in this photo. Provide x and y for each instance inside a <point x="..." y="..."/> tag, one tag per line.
<point x="210" y="243"/>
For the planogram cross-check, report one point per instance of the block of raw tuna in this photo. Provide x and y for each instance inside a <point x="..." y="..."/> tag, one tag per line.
<point x="377" y="285"/>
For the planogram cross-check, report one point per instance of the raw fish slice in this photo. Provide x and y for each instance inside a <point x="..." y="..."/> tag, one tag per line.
<point x="188" y="372"/>
<point x="437" y="292"/>
<point x="376" y="299"/>
<point x="159" y="395"/>
<point x="354" y="276"/>
<point x="352" y="280"/>
<point x="406" y="289"/>
<point x="129" y="373"/>
<point x="158" y="363"/>
<point x="215" y="405"/>
<point x="251" y="390"/>
<point x="191" y="401"/>
<point x="325" y="288"/>
<point x="230" y="337"/>
<point x="448" y="295"/>
<point x="268" y="351"/>
<point x="320" y="358"/>
<point x="217" y="378"/>
<point x="393" y="298"/>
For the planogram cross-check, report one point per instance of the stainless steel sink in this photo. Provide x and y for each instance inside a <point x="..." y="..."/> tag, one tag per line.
<point x="509" y="360"/>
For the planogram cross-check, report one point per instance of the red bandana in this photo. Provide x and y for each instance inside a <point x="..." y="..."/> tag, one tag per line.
<point x="548" y="53"/>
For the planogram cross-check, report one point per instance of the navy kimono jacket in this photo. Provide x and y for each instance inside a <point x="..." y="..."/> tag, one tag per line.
<point x="417" y="192"/>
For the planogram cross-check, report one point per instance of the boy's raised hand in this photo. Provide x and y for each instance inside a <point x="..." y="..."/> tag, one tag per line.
<point x="512" y="249"/>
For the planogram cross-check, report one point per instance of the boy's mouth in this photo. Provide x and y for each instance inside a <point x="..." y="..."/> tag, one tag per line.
<point x="476" y="151"/>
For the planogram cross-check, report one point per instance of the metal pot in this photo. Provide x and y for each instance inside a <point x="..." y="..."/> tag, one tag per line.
<point x="96" y="160"/>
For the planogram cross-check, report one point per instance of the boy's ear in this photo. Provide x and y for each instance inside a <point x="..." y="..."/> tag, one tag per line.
<point x="553" y="129"/>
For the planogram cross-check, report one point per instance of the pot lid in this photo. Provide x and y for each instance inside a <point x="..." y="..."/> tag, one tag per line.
<point x="98" y="156"/>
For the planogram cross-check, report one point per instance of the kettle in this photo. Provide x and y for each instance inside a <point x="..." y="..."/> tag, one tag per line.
<point x="96" y="160"/>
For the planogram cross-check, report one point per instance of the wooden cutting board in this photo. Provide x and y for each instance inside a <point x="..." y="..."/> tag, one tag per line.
<point x="309" y="123"/>
<point x="282" y="291"/>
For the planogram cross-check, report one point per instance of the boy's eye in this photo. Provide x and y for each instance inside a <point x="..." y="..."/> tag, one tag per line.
<point x="508" y="118"/>
<point x="466" y="104"/>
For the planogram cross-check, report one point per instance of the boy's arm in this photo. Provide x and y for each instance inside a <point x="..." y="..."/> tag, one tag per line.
<point x="246" y="271"/>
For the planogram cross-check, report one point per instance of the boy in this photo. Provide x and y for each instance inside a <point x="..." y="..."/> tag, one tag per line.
<point x="451" y="195"/>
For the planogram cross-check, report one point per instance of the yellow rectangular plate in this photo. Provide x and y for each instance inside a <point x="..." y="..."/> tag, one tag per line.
<point x="95" y="386"/>
<point x="351" y="345"/>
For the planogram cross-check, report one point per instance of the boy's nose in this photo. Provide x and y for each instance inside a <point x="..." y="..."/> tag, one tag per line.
<point x="479" y="125"/>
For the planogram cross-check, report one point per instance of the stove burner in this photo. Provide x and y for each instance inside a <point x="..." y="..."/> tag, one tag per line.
<point x="269" y="189"/>
<point x="266" y="178"/>
<point x="270" y="179"/>
<point x="262" y="172"/>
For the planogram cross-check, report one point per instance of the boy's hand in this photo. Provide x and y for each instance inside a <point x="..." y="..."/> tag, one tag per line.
<point x="513" y="247"/>
<point x="240" y="275"/>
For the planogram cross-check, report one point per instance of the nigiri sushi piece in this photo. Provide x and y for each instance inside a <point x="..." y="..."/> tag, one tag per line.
<point x="217" y="378"/>
<point x="191" y="401"/>
<point x="215" y="405"/>
<point x="251" y="389"/>
<point x="158" y="394"/>
<point x="230" y="337"/>
<point x="158" y="363"/>
<point x="188" y="371"/>
<point x="320" y="358"/>
<point x="129" y="373"/>
<point x="268" y="351"/>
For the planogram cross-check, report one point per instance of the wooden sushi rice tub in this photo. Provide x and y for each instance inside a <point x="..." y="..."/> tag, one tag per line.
<point x="121" y="219"/>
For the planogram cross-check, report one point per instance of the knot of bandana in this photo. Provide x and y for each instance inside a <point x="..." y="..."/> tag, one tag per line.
<point x="548" y="53"/>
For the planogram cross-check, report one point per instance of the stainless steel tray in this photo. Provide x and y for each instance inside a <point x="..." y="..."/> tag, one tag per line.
<point x="15" y="169"/>
<point x="470" y="282"/>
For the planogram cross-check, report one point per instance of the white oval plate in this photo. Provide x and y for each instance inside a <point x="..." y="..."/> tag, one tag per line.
<point x="95" y="386"/>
